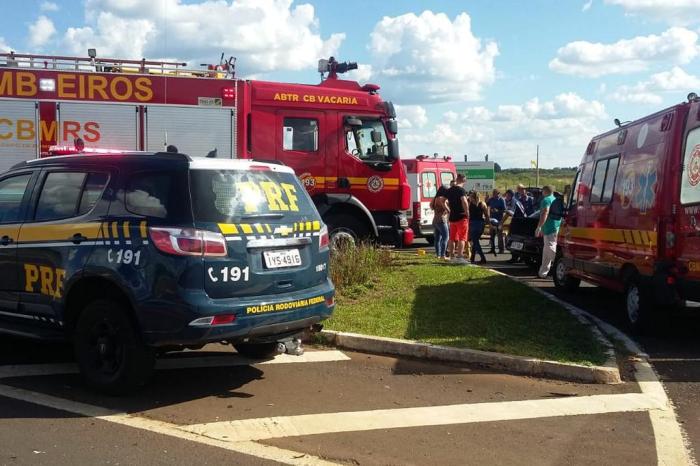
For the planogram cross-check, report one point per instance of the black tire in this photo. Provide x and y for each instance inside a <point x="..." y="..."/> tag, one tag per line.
<point x="639" y="306"/>
<point x="346" y="231"/>
<point x="110" y="353"/>
<point x="257" y="350"/>
<point x="562" y="279"/>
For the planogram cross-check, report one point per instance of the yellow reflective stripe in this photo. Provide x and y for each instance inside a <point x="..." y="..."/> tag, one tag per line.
<point x="126" y="229"/>
<point x="308" y="226"/>
<point x="115" y="230"/>
<point x="64" y="232"/>
<point x="247" y="229"/>
<point x="628" y="236"/>
<point x="228" y="228"/>
<point x="600" y="234"/>
<point x="391" y="181"/>
<point x="143" y="230"/>
<point x="645" y="237"/>
<point x="317" y="225"/>
<point x="267" y="227"/>
<point x="356" y="180"/>
<point x="301" y="226"/>
<point x="259" y="228"/>
<point x="637" y="237"/>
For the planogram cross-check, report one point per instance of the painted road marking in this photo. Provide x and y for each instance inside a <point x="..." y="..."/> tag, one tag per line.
<point x="165" y="428"/>
<point x="311" y="424"/>
<point x="231" y="360"/>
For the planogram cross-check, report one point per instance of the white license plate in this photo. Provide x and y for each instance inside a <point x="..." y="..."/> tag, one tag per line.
<point x="517" y="245"/>
<point x="283" y="258"/>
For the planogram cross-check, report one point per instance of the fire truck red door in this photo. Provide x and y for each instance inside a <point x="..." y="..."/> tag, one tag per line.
<point x="689" y="241"/>
<point x="300" y="143"/>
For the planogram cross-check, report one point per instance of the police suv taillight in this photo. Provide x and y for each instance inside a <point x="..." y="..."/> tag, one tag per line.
<point x="323" y="239"/>
<point x="188" y="242"/>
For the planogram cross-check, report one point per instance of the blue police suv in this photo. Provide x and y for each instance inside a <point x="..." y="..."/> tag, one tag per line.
<point x="126" y="255"/>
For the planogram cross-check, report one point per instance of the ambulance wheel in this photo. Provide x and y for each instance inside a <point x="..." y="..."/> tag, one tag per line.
<point x="638" y="306"/>
<point x="111" y="356"/>
<point x="257" y="350"/>
<point x="345" y="232"/>
<point x="562" y="279"/>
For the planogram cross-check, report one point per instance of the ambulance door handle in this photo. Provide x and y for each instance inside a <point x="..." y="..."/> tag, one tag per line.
<point x="5" y="240"/>
<point x="343" y="183"/>
<point x="78" y="238"/>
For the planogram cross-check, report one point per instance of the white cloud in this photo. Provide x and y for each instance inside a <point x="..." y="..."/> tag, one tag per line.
<point x="362" y="74"/>
<point x="587" y="6"/>
<point x="677" y="45"/>
<point x="652" y="90"/>
<point x="4" y="46"/>
<point x="266" y="35"/>
<point x="48" y="6"/>
<point x="41" y="31"/>
<point x="510" y="133"/>
<point x="680" y="12"/>
<point x="430" y="58"/>
<point x="411" y="116"/>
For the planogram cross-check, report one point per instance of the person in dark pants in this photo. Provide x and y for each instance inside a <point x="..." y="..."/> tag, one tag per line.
<point x="497" y="207"/>
<point x="478" y="217"/>
<point x="441" y="211"/>
<point x="514" y="209"/>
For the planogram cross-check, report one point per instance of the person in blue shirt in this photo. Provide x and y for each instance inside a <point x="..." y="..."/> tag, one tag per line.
<point x="548" y="229"/>
<point x="526" y="200"/>
<point x="497" y="208"/>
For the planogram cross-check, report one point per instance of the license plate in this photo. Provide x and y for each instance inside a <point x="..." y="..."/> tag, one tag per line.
<point x="283" y="258"/>
<point x="517" y="245"/>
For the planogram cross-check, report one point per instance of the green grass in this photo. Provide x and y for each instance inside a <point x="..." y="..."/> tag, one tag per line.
<point x="559" y="177"/>
<point x="417" y="298"/>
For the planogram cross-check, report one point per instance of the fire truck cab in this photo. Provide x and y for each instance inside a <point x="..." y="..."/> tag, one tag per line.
<point x="425" y="175"/>
<point x="338" y="136"/>
<point x="632" y="218"/>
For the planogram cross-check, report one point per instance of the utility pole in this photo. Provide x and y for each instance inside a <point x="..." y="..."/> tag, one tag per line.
<point x="537" y="175"/>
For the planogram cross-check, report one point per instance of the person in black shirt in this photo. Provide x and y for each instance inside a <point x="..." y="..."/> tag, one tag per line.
<point x="478" y="216"/>
<point x="459" y="219"/>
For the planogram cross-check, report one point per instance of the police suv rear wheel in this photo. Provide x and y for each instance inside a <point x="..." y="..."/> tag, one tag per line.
<point x="562" y="279"/>
<point x="257" y="350"/>
<point x="111" y="356"/>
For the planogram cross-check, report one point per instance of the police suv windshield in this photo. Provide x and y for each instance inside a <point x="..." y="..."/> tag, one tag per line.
<point x="226" y="196"/>
<point x="368" y="142"/>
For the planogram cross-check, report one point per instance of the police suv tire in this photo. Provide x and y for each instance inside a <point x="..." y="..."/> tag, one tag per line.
<point x="257" y="350"/>
<point x="563" y="280"/>
<point x="111" y="356"/>
<point x="638" y="306"/>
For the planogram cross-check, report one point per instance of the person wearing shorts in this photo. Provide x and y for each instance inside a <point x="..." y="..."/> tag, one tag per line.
<point x="459" y="219"/>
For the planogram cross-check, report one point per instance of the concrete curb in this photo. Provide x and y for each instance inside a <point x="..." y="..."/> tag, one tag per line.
<point x="504" y="362"/>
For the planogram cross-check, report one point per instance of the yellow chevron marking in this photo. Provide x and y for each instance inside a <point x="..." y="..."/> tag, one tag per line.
<point x="143" y="230"/>
<point x="317" y="225"/>
<point x="308" y="226"/>
<point x="115" y="231"/>
<point x="247" y="229"/>
<point x="259" y="228"/>
<point x="637" y="237"/>
<point x="126" y="229"/>
<point x="228" y="228"/>
<point x="267" y="228"/>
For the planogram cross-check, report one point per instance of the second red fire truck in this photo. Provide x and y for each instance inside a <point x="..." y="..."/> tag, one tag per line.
<point x="339" y="137"/>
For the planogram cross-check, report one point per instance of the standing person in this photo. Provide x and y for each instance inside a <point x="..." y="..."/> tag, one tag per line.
<point x="478" y="216"/>
<point x="514" y="209"/>
<point x="497" y="207"/>
<point x="441" y="209"/>
<point x="526" y="200"/>
<point x="548" y="229"/>
<point x="459" y="219"/>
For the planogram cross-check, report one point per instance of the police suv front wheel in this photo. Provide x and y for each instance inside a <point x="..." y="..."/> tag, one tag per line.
<point x="111" y="356"/>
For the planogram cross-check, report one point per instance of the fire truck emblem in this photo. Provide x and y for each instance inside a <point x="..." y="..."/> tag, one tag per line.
<point x="375" y="184"/>
<point x="694" y="167"/>
<point x="308" y="181"/>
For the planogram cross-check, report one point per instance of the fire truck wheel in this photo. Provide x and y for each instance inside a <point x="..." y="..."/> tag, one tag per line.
<point x="345" y="231"/>
<point x="562" y="279"/>
<point x="638" y="306"/>
<point x="111" y="356"/>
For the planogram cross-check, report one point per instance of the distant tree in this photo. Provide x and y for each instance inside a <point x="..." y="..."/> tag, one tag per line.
<point x="496" y="167"/>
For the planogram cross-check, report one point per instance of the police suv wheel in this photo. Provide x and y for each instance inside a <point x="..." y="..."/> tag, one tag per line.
<point x="111" y="356"/>
<point x="562" y="279"/>
<point x="257" y="350"/>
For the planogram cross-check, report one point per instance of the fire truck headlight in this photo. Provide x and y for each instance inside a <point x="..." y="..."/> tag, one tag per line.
<point x="47" y="85"/>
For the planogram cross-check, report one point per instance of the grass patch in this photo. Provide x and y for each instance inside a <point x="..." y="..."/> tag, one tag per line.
<point x="418" y="298"/>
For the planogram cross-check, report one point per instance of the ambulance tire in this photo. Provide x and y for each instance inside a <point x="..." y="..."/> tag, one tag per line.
<point x="345" y="231"/>
<point x="257" y="350"/>
<point x="563" y="280"/>
<point x="639" y="308"/>
<point x="110" y="353"/>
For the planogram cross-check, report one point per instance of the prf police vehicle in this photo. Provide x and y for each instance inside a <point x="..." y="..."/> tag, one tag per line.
<point x="126" y="254"/>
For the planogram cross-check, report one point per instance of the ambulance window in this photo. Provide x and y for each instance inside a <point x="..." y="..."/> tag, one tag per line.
<point x="11" y="194"/>
<point x="608" y="190"/>
<point x="573" y="200"/>
<point x="59" y="196"/>
<point x="92" y="192"/>
<point x="429" y="181"/>
<point x="300" y="134"/>
<point x="446" y="178"/>
<point x="604" y="180"/>
<point x="690" y="184"/>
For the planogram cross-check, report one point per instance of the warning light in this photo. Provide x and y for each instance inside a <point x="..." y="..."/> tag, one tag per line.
<point x="228" y="93"/>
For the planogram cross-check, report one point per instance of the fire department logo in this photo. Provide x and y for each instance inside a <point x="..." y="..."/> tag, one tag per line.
<point x="375" y="184"/>
<point x="694" y="167"/>
<point x="308" y="181"/>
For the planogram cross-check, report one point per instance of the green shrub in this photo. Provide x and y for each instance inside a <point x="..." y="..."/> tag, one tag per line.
<point x="358" y="266"/>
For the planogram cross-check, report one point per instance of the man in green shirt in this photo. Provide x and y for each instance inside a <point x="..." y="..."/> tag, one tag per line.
<point x="548" y="229"/>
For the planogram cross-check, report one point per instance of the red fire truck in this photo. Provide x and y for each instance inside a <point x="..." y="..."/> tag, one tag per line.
<point x="339" y="137"/>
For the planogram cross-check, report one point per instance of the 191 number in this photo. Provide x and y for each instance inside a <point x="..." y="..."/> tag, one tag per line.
<point x="124" y="256"/>
<point x="229" y="274"/>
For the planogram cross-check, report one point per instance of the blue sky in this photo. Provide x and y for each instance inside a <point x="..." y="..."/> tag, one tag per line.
<point x="469" y="77"/>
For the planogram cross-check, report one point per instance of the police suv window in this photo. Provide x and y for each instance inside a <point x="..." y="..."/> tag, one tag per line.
<point x="94" y="186"/>
<point x="158" y="195"/>
<point x="690" y="184"/>
<point x="429" y="181"/>
<point x="300" y="134"/>
<point x="11" y="194"/>
<point x="604" y="180"/>
<point x="59" y="196"/>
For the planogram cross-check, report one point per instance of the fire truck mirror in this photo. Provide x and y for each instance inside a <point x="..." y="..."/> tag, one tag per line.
<point x="392" y="126"/>
<point x="353" y="121"/>
<point x="389" y="109"/>
<point x="393" y="150"/>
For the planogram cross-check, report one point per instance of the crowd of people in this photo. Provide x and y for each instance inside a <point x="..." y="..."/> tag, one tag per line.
<point x="461" y="218"/>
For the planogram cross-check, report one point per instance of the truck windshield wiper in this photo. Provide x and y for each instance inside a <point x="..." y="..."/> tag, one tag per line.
<point x="262" y="216"/>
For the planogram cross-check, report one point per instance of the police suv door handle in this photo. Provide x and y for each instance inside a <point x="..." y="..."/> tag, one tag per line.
<point x="78" y="238"/>
<point x="6" y="240"/>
